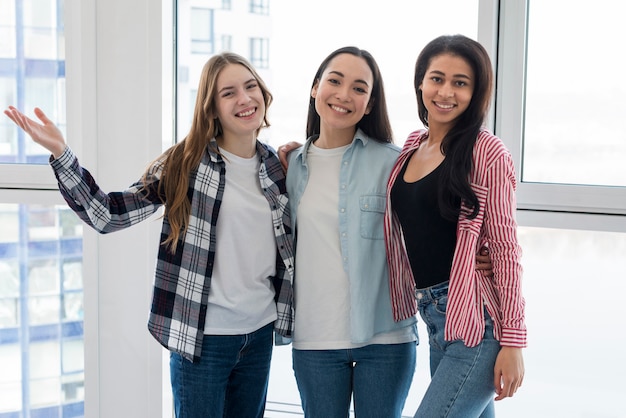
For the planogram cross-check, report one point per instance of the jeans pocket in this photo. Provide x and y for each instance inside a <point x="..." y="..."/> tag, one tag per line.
<point x="441" y="304"/>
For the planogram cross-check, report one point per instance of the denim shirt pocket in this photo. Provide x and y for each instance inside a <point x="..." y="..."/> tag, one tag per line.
<point x="474" y="225"/>
<point x="372" y="212"/>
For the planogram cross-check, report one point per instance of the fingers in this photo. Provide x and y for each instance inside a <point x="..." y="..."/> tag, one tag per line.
<point x="284" y="150"/>
<point x="42" y="116"/>
<point x="45" y="133"/>
<point x="20" y="119"/>
<point x="506" y="389"/>
<point x="282" y="157"/>
<point x="508" y="372"/>
<point x="13" y="114"/>
<point x="483" y="262"/>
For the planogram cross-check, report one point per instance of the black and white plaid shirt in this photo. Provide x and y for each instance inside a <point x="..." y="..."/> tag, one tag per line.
<point x="183" y="279"/>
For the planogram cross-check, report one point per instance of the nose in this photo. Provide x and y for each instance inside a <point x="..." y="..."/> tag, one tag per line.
<point x="244" y="97"/>
<point x="446" y="91"/>
<point x="343" y="93"/>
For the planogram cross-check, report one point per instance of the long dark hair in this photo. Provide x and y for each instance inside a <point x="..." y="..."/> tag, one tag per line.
<point x="458" y="144"/>
<point x="376" y="123"/>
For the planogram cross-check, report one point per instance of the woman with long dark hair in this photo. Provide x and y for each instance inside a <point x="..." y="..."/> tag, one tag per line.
<point x="452" y="191"/>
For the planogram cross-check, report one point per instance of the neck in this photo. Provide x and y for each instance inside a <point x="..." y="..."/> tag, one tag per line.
<point x="436" y="134"/>
<point x="241" y="147"/>
<point x="335" y="138"/>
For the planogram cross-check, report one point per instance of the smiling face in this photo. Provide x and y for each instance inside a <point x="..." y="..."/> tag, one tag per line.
<point x="239" y="102"/>
<point x="342" y="93"/>
<point x="446" y="90"/>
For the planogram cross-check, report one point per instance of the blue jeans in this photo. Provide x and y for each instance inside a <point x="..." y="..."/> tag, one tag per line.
<point x="461" y="377"/>
<point x="378" y="376"/>
<point x="229" y="381"/>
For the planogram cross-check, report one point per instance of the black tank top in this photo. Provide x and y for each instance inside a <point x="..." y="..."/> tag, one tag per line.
<point x="429" y="238"/>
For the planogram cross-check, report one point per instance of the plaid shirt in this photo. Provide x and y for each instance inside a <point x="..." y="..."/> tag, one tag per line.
<point x="183" y="279"/>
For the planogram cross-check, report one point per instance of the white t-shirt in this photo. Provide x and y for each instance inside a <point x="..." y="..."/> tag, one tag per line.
<point x="322" y="289"/>
<point x="241" y="298"/>
<point x="322" y="286"/>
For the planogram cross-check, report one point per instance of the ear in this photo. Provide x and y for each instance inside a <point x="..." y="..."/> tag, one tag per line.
<point x="314" y="90"/>
<point x="369" y="107"/>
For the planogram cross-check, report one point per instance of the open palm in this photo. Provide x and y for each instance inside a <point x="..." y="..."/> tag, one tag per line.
<point x="45" y="133"/>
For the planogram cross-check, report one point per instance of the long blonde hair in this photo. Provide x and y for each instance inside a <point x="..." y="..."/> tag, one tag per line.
<point x="179" y="161"/>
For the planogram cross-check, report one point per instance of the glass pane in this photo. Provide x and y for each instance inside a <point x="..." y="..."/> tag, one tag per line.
<point x="570" y="77"/>
<point x="10" y="386"/>
<point x="32" y="72"/>
<point x="565" y="273"/>
<point x="41" y="311"/>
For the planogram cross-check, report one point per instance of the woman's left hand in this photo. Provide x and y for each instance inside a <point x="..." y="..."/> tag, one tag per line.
<point x="508" y="372"/>
<point x="483" y="262"/>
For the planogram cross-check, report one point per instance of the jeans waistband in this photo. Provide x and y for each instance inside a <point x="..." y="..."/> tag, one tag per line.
<point x="432" y="292"/>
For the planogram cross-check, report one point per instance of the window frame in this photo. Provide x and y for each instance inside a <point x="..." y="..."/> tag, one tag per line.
<point x="260" y="52"/>
<point x="576" y="203"/>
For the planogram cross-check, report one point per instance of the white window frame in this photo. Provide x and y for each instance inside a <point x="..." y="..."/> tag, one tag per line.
<point x="502" y="29"/>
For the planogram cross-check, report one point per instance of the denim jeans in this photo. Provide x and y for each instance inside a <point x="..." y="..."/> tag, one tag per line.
<point x="377" y="376"/>
<point x="229" y="381"/>
<point x="461" y="377"/>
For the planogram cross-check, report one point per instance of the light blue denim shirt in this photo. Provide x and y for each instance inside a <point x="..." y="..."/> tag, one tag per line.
<point x="365" y="169"/>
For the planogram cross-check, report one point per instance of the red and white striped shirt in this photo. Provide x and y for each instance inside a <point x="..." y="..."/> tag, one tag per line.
<point x="493" y="180"/>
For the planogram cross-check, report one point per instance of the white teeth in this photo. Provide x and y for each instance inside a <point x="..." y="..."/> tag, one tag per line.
<point x="445" y="106"/>
<point x="244" y="114"/>
<point x="338" y="109"/>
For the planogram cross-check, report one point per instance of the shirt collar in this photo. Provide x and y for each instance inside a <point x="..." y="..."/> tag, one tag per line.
<point x="359" y="136"/>
<point x="215" y="157"/>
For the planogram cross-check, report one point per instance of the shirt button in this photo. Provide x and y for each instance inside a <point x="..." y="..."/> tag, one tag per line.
<point x="343" y="210"/>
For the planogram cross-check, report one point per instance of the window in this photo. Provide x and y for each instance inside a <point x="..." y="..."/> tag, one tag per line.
<point x="260" y="52"/>
<point x="561" y="86"/>
<point x="560" y="267"/>
<point x="202" y="31"/>
<point x="41" y="285"/>
<point x="32" y="71"/>
<point x="563" y="125"/>
<point x="41" y="311"/>
<point x="261" y="7"/>
<point x="555" y="207"/>
<point x="227" y="43"/>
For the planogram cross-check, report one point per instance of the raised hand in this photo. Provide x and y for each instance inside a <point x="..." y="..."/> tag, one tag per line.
<point x="45" y="133"/>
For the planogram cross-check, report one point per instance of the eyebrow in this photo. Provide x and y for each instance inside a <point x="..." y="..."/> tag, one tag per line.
<point x="251" y="79"/>
<point x="453" y="75"/>
<point x="339" y="73"/>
